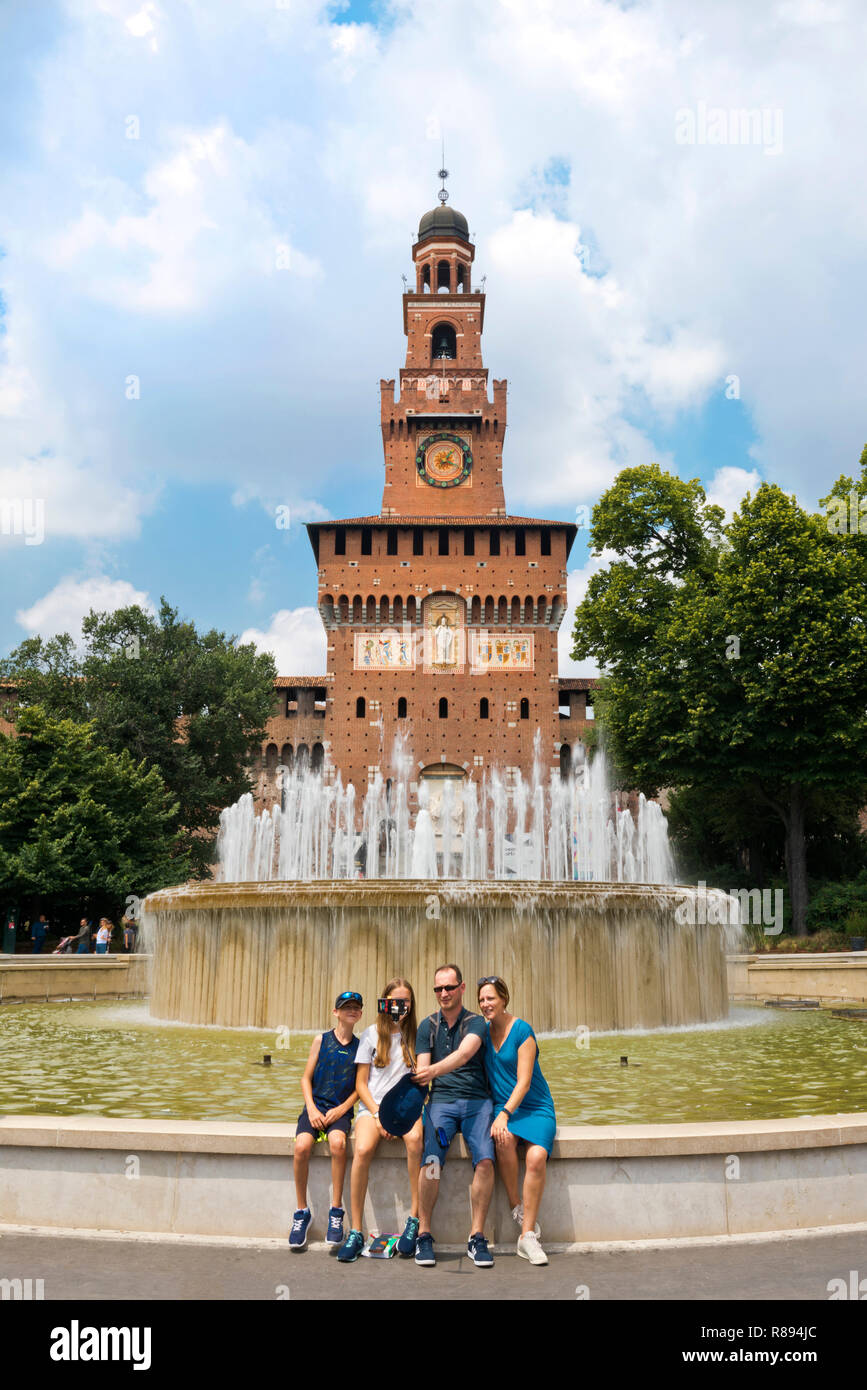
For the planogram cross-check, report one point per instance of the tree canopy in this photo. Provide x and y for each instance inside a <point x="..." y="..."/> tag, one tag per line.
<point x="736" y="654"/>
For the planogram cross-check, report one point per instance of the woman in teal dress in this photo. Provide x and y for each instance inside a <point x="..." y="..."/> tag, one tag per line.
<point x="523" y="1110"/>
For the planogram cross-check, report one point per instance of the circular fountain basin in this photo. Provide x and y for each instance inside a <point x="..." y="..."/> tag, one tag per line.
<point x="594" y="955"/>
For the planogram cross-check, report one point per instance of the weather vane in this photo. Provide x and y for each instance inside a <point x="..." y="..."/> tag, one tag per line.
<point x="442" y="176"/>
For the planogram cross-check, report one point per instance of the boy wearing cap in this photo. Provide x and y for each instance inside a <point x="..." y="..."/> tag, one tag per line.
<point x="328" y="1086"/>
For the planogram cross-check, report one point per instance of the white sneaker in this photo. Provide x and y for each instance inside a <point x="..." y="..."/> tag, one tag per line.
<point x="530" y="1249"/>
<point x="518" y="1218"/>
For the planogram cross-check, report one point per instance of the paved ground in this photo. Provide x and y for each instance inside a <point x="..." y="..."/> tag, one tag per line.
<point x="73" y="1267"/>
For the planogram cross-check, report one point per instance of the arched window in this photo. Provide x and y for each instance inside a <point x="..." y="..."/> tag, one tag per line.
<point x="476" y="610"/>
<point x="401" y="707"/>
<point x="444" y="707"/>
<point x="565" y="760"/>
<point x="528" y="610"/>
<point x="525" y="709"/>
<point x="516" y="610"/>
<point x="371" y="609"/>
<point x="360" y="707"/>
<point x="443" y="276"/>
<point x="444" y="343"/>
<point x="343" y="608"/>
<point x="357" y="609"/>
<point x="425" y="277"/>
<point x="502" y="609"/>
<point x="286" y="755"/>
<point x="383" y="610"/>
<point x="484" y="712"/>
<point x="328" y="609"/>
<point x="318" y="757"/>
<point x="271" y="757"/>
<point x="489" y="609"/>
<point x="410" y="609"/>
<point x="555" y="612"/>
<point x="398" y="611"/>
<point x="543" y="607"/>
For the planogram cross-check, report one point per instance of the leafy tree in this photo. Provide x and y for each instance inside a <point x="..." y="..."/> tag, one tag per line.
<point x="737" y="655"/>
<point x="78" y="824"/>
<point x="193" y="705"/>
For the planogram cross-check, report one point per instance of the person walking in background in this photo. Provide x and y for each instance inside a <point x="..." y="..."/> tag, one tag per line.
<point x="130" y="934"/>
<point x="40" y="931"/>
<point x="103" y="936"/>
<point x="80" y="943"/>
<point x="524" y="1110"/>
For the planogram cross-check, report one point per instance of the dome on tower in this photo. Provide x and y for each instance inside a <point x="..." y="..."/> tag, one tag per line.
<point x="443" y="221"/>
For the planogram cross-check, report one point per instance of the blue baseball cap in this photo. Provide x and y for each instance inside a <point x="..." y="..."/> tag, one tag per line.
<point x="401" y="1106"/>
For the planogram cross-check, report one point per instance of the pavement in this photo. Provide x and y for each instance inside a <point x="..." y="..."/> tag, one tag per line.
<point x="76" y="1267"/>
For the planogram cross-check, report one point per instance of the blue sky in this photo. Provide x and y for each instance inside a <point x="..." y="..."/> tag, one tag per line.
<point x="218" y="200"/>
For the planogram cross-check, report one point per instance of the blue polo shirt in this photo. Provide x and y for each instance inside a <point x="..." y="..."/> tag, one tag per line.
<point x="469" y="1082"/>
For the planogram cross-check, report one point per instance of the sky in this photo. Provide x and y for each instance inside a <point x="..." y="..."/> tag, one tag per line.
<point x="207" y="208"/>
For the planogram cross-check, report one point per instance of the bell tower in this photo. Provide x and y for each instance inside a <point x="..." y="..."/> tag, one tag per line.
<point x="442" y="436"/>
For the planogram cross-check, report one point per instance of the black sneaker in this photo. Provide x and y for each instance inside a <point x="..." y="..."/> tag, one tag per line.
<point x="477" y="1249"/>
<point x="424" y="1251"/>
<point x="407" y="1243"/>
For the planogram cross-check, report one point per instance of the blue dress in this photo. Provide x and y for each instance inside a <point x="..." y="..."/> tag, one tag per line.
<point x="534" y="1120"/>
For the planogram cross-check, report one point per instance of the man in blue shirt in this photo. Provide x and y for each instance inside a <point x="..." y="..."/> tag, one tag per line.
<point x="450" y="1052"/>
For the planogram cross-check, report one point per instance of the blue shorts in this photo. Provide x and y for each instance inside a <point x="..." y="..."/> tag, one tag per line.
<point x="472" y="1117"/>
<point x="305" y="1127"/>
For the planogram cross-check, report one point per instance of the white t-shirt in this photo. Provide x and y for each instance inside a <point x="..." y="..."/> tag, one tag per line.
<point x="381" y="1079"/>
<point x="103" y="935"/>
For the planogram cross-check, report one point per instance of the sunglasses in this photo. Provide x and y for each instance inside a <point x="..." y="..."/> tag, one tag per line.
<point x="349" y="998"/>
<point x="445" y="989"/>
<point x="489" y="980"/>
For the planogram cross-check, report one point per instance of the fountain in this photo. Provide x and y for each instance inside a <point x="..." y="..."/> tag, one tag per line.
<point x="549" y="883"/>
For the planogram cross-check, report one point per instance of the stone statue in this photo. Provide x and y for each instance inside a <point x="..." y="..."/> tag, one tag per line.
<point x="444" y="640"/>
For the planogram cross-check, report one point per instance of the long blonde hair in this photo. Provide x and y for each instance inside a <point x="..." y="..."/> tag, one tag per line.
<point x="408" y="1028"/>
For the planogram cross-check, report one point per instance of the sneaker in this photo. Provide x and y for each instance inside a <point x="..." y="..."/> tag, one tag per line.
<point x="424" y="1251"/>
<point x="298" y="1235"/>
<point x="477" y="1249"/>
<point x="530" y="1249"/>
<point x="407" y="1243"/>
<point x="334" y="1234"/>
<point x="351" y="1248"/>
<point x="518" y="1218"/>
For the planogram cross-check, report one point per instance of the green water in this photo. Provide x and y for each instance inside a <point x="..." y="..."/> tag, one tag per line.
<point x="111" y="1059"/>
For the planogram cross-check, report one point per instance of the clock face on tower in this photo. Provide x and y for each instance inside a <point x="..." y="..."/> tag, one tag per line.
<point x="443" y="460"/>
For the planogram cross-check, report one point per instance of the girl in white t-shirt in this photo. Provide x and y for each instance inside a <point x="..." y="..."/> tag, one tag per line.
<point x="386" y="1052"/>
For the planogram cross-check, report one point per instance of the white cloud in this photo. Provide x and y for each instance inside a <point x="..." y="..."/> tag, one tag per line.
<point x="576" y="589"/>
<point x="728" y="487"/>
<point x="83" y="502"/>
<point x="296" y="639"/>
<point x="70" y="601"/>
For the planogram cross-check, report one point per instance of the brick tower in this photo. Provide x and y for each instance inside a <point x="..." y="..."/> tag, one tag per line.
<point x="442" y="611"/>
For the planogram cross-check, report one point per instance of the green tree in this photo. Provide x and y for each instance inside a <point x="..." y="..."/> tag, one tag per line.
<point x="737" y="655"/>
<point x="78" y="824"/>
<point x="192" y="705"/>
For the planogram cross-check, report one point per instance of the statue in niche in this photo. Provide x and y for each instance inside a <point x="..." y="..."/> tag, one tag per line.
<point x="444" y="642"/>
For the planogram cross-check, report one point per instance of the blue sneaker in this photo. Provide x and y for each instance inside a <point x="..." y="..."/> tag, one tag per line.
<point x="424" y="1251"/>
<point x="298" y="1235"/>
<point x="406" y="1244"/>
<point x="477" y="1249"/>
<point x="334" y="1234"/>
<point x="351" y="1248"/>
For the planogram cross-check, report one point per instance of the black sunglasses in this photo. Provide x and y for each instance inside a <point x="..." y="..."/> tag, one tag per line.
<point x="489" y="980"/>
<point x="443" y="989"/>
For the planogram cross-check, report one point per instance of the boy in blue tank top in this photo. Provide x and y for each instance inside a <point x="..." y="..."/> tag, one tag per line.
<point x="328" y="1086"/>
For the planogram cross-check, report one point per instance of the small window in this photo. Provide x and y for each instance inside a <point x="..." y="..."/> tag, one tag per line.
<point x="495" y="542"/>
<point x="484" y="712"/>
<point x="546" y="542"/>
<point x="340" y="542"/>
<point x="444" y="708"/>
<point x="418" y="541"/>
<point x="444" y="541"/>
<point x="525" y="709"/>
<point x="366" y="540"/>
<point x="469" y="542"/>
<point x="520" y="542"/>
<point x="391" y="541"/>
<point x="401" y="707"/>
<point x="360" y="707"/>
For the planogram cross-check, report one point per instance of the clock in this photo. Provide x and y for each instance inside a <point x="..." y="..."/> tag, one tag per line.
<point x="443" y="460"/>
